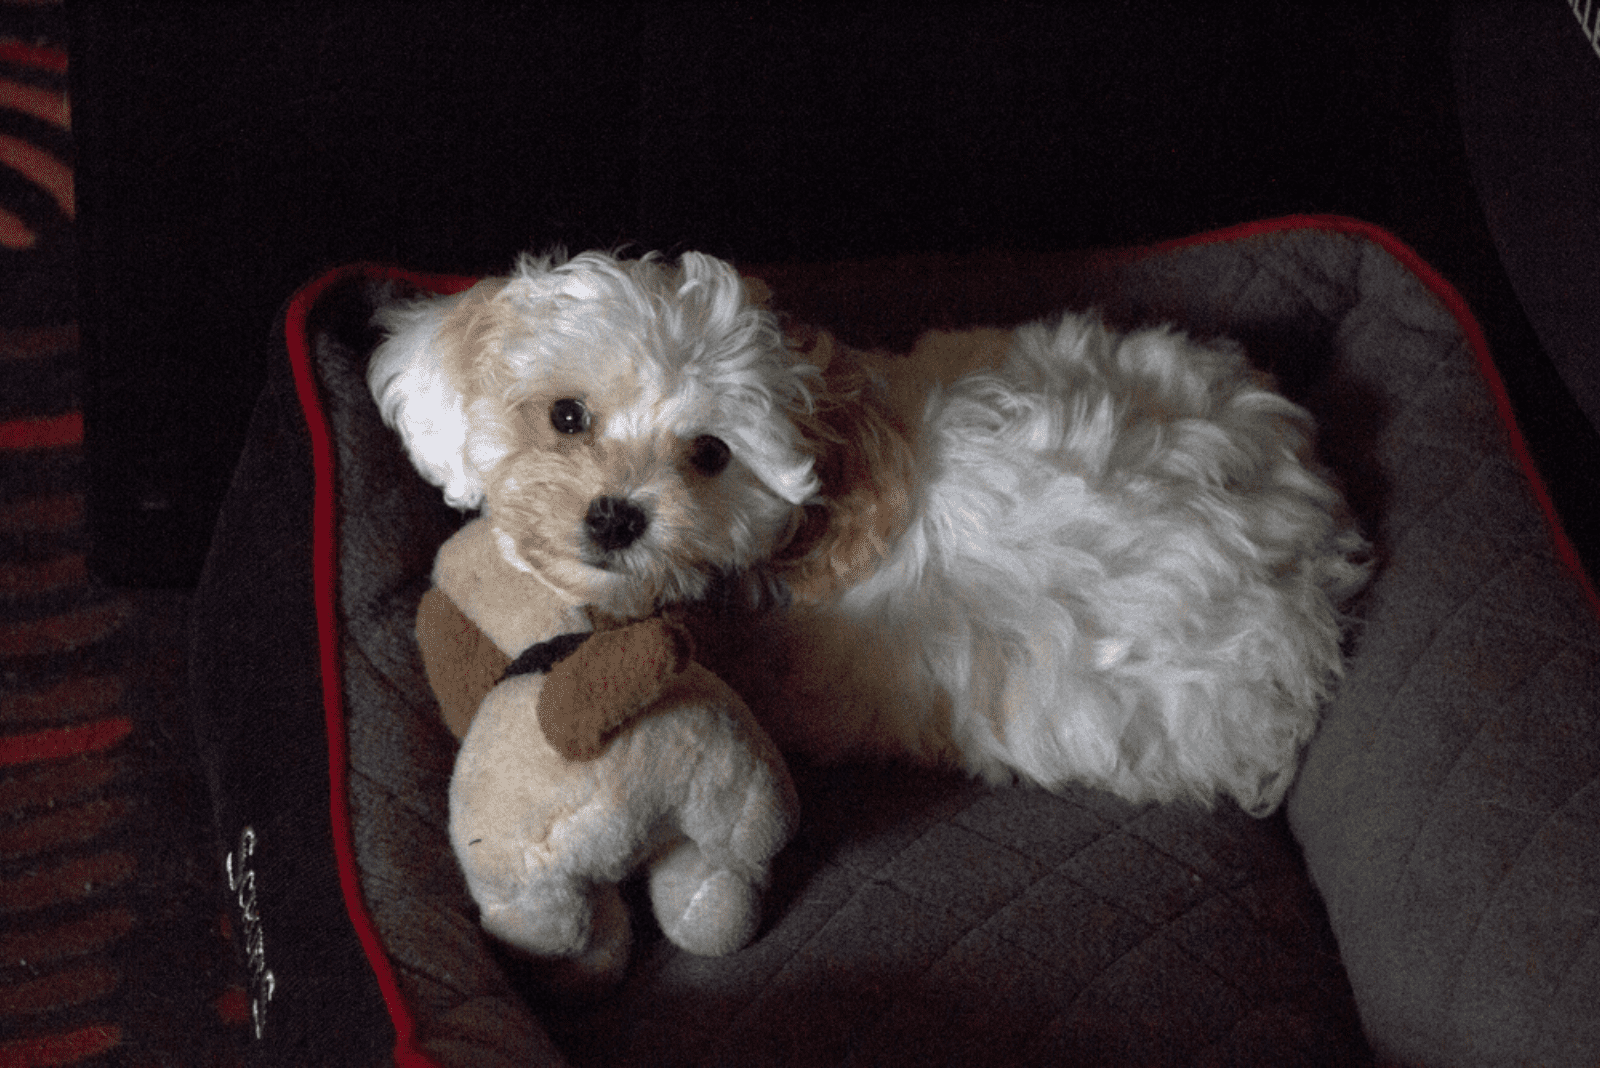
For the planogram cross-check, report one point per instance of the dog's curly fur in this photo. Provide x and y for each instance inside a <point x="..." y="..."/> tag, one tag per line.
<point x="1060" y="552"/>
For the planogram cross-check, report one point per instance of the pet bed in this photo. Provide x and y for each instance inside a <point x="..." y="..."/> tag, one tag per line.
<point x="1429" y="894"/>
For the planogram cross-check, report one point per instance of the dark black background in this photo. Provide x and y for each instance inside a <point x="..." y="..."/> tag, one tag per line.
<point x="228" y="152"/>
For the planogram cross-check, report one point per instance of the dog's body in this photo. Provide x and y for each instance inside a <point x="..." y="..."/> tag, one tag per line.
<point x="1060" y="552"/>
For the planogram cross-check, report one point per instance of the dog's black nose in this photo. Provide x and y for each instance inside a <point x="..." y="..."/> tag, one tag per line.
<point x="614" y="523"/>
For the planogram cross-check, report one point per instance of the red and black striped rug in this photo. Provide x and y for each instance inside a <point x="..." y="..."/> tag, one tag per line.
<point x="113" y="945"/>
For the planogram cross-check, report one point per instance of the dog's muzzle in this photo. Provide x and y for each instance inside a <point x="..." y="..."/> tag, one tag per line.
<point x="614" y="523"/>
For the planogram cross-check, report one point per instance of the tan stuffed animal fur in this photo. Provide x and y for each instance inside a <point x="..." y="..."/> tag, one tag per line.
<point x="624" y="753"/>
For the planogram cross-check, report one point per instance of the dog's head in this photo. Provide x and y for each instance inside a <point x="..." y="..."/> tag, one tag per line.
<point x="628" y="426"/>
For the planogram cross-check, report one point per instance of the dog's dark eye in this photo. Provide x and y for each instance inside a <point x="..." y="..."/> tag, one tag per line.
<point x="569" y="416"/>
<point x="709" y="455"/>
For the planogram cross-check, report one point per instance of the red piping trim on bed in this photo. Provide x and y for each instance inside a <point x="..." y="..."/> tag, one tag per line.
<point x="1456" y="305"/>
<point x="324" y="569"/>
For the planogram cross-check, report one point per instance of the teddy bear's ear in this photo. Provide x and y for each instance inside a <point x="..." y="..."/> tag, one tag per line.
<point x="419" y="378"/>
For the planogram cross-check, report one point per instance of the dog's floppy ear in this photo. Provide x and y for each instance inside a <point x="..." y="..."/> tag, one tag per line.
<point x="866" y="466"/>
<point x="782" y="463"/>
<point x="419" y="377"/>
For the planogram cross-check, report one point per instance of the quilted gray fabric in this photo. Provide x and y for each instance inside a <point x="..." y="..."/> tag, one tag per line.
<point x="920" y="919"/>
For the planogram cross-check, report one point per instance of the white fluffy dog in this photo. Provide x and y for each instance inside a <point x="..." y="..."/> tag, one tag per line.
<point x="1058" y="552"/>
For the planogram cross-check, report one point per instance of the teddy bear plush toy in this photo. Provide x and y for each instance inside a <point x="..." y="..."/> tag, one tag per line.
<point x="586" y="752"/>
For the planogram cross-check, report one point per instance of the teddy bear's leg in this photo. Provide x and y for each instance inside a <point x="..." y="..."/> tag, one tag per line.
<point x="549" y="917"/>
<point x="578" y="938"/>
<point x="702" y="906"/>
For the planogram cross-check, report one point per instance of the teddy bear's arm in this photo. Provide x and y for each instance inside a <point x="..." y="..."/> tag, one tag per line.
<point x="461" y="663"/>
<point x="609" y="680"/>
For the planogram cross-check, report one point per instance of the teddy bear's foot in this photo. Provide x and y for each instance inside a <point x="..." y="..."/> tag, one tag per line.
<point x="701" y="906"/>
<point x="561" y="917"/>
<point x="545" y="919"/>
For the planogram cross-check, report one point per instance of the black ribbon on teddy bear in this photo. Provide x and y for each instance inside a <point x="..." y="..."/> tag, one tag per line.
<point x="540" y="657"/>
